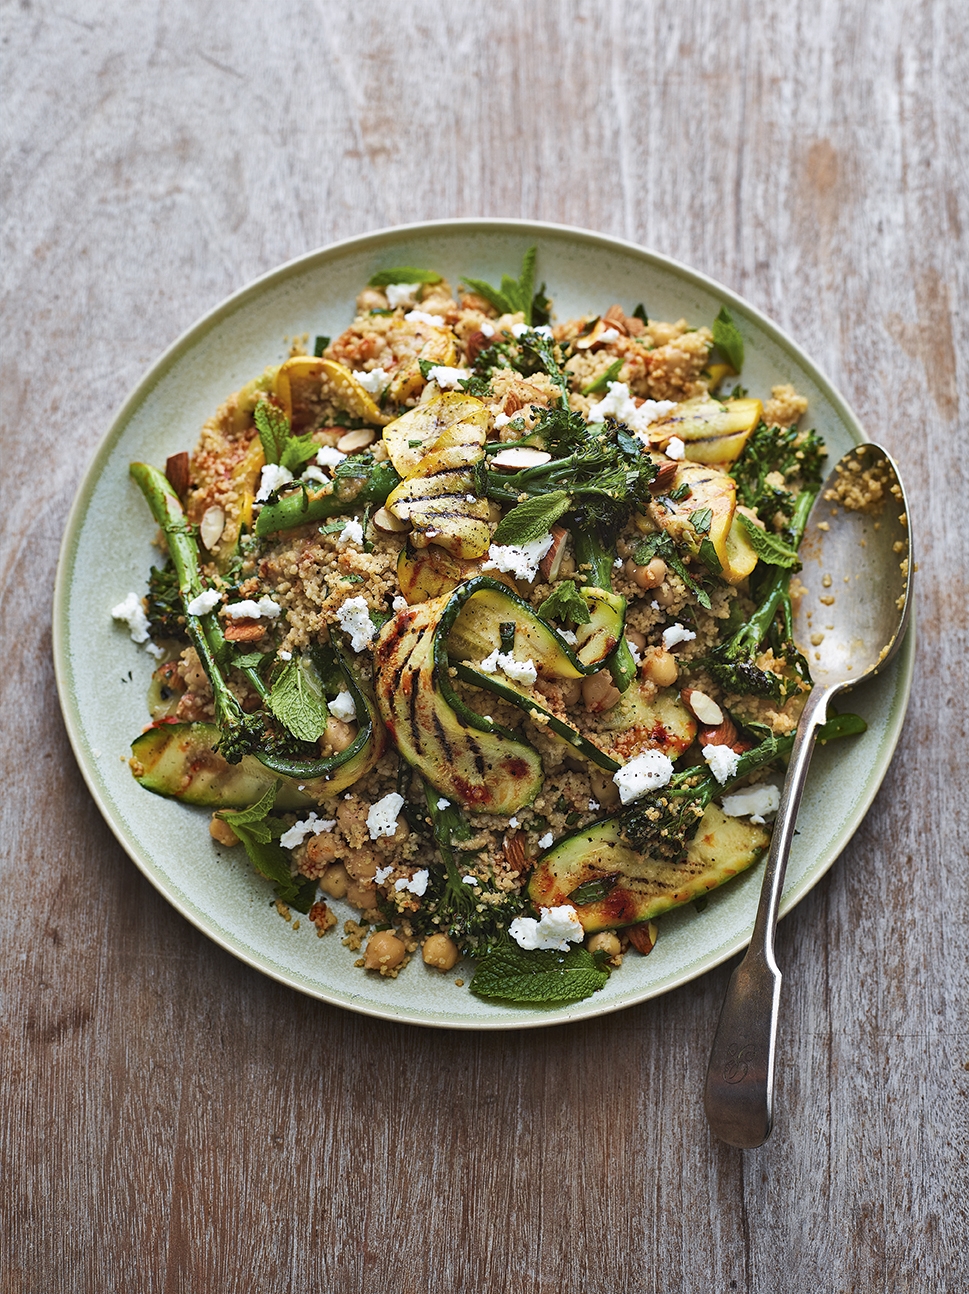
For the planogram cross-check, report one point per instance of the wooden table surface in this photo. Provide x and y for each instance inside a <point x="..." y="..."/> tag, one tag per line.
<point x="174" y="1121"/>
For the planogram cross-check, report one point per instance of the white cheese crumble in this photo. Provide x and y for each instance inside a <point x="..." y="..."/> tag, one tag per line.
<point x="619" y="404"/>
<point x="352" y="533"/>
<point x="503" y="419"/>
<point x="555" y="930"/>
<point x="273" y="476"/>
<point x="382" y="873"/>
<point x="469" y="880"/>
<point x="443" y="804"/>
<point x="593" y="805"/>
<point x="382" y="818"/>
<point x="311" y="826"/>
<point x="676" y="449"/>
<point x="133" y="614"/>
<point x="399" y="603"/>
<point x="545" y="842"/>
<point x="400" y="294"/>
<point x="315" y="474"/>
<point x="634" y="651"/>
<point x="647" y="772"/>
<point x="374" y="382"/>
<point x="521" y="560"/>
<point x="421" y="316"/>
<point x="487" y="329"/>
<point x="354" y="618"/>
<point x="608" y="335"/>
<point x="264" y="609"/>
<point x="522" y="671"/>
<point x="342" y="707"/>
<point x="513" y="822"/>
<point x="204" y="603"/>
<point x="417" y="883"/>
<point x="755" y="802"/>
<point x="448" y="378"/>
<point x="285" y="655"/>
<point x="154" y="650"/>
<point x="519" y="330"/>
<point x="677" y="634"/>
<point x="722" y="762"/>
<point x="329" y="456"/>
<point x="570" y="636"/>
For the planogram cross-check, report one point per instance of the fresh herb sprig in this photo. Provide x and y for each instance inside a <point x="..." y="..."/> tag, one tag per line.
<point x="259" y="833"/>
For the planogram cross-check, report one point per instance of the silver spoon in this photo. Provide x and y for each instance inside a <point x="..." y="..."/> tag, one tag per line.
<point x="857" y="571"/>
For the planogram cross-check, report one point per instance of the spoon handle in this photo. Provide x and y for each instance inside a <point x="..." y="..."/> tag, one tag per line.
<point x="740" y="1077"/>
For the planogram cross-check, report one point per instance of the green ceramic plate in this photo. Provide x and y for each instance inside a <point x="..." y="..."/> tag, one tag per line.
<point x="102" y="676"/>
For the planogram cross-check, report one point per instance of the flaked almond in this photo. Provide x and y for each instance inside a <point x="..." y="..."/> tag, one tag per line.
<point x="616" y="316"/>
<point x="385" y="520"/>
<point x="643" y="937"/>
<point x="211" y="526"/>
<point x="243" y="631"/>
<point x="595" y="335"/>
<point x="666" y="471"/>
<point x="176" y="469"/>
<point x="515" y="460"/>
<point x="354" y="440"/>
<point x="551" y="563"/>
<point x="704" y="707"/>
<point x="476" y="343"/>
<point x="514" y="847"/>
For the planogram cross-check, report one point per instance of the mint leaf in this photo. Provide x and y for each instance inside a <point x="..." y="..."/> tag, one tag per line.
<point x="490" y="294"/>
<point x="565" y="602"/>
<point x="660" y="545"/>
<point x="700" y="520"/>
<point x="727" y="336"/>
<point x="510" y="974"/>
<point x="770" y="548"/>
<point x="541" y="308"/>
<point x="513" y="295"/>
<point x="526" y="284"/>
<point x="320" y="345"/>
<point x="248" y="660"/>
<point x="406" y="274"/>
<point x="297" y="700"/>
<point x="255" y="812"/>
<point x="532" y="519"/>
<point x="297" y="451"/>
<point x="273" y="427"/>
<point x="640" y="313"/>
<point x="601" y="382"/>
<point x="259" y="835"/>
<point x="708" y="556"/>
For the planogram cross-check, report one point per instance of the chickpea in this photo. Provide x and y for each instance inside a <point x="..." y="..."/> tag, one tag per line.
<point x="338" y="735"/>
<point x="222" y="832"/>
<point x="637" y="639"/>
<point x="571" y="692"/>
<point x="384" y="951"/>
<point x="401" y="832"/>
<point x="440" y="951"/>
<point x="323" y="849"/>
<point x="649" y="576"/>
<point x="599" y="692"/>
<point x="660" y="667"/>
<point x="361" y="894"/>
<point x="665" y="595"/>
<point x="335" y="881"/>
<point x="604" y="788"/>
<point x="606" y="941"/>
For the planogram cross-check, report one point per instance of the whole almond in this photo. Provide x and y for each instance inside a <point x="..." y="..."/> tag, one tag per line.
<point x="643" y="937"/>
<point x="211" y="526"/>
<point x="354" y="440"/>
<point x="704" y="707"/>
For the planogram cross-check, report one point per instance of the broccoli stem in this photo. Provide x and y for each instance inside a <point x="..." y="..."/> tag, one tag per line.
<point x="241" y="733"/>
<point x="348" y="493"/>
<point x="595" y="560"/>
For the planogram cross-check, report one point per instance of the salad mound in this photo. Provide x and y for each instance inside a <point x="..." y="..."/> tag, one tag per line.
<point x="480" y="624"/>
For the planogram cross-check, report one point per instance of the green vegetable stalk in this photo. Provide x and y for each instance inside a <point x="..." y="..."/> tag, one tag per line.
<point x="357" y="483"/>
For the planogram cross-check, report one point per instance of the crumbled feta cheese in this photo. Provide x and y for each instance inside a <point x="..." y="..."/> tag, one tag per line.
<point x="619" y="404"/>
<point x="675" y="449"/>
<point x="399" y="603"/>
<point x="593" y="805"/>
<point x="417" y="883"/>
<point x="342" y="707"/>
<point x="469" y="880"/>
<point x="443" y="804"/>
<point x="273" y="476"/>
<point x="490" y="663"/>
<point x="617" y="564"/>
<point x="264" y="609"/>
<point x="133" y="614"/>
<point x="647" y="772"/>
<point x="519" y="330"/>
<point x="311" y="826"/>
<point x="608" y="335"/>
<point x="545" y="842"/>
<point x="382" y="873"/>
<point x="521" y="560"/>
<point x="400" y="294"/>
<point x="513" y="822"/>
<point x="354" y="618"/>
<point x="503" y="419"/>
<point x="285" y="655"/>
<point x="315" y="474"/>
<point x="755" y="802"/>
<point x="204" y="603"/>
<point x="352" y="533"/>
<point x="154" y="650"/>
<point x="382" y="818"/>
<point x="374" y="382"/>
<point x="722" y="762"/>
<point x="557" y="928"/>
<point x="329" y="456"/>
<point x="677" y="634"/>
<point x="522" y="671"/>
<point x="448" y="378"/>
<point x="570" y="636"/>
<point x="421" y="316"/>
<point x="487" y="329"/>
<point x="654" y="605"/>
<point x="634" y="651"/>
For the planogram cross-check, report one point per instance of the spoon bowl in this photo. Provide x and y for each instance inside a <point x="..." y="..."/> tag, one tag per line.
<point x="851" y="601"/>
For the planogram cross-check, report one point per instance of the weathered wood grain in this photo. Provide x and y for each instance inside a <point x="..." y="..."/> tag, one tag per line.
<point x="171" y="1121"/>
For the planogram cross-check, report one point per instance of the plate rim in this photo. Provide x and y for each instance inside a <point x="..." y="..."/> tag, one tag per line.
<point x="572" y="1013"/>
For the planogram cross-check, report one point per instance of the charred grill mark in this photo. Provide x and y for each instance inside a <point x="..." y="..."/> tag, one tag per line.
<point x="442" y="737"/>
